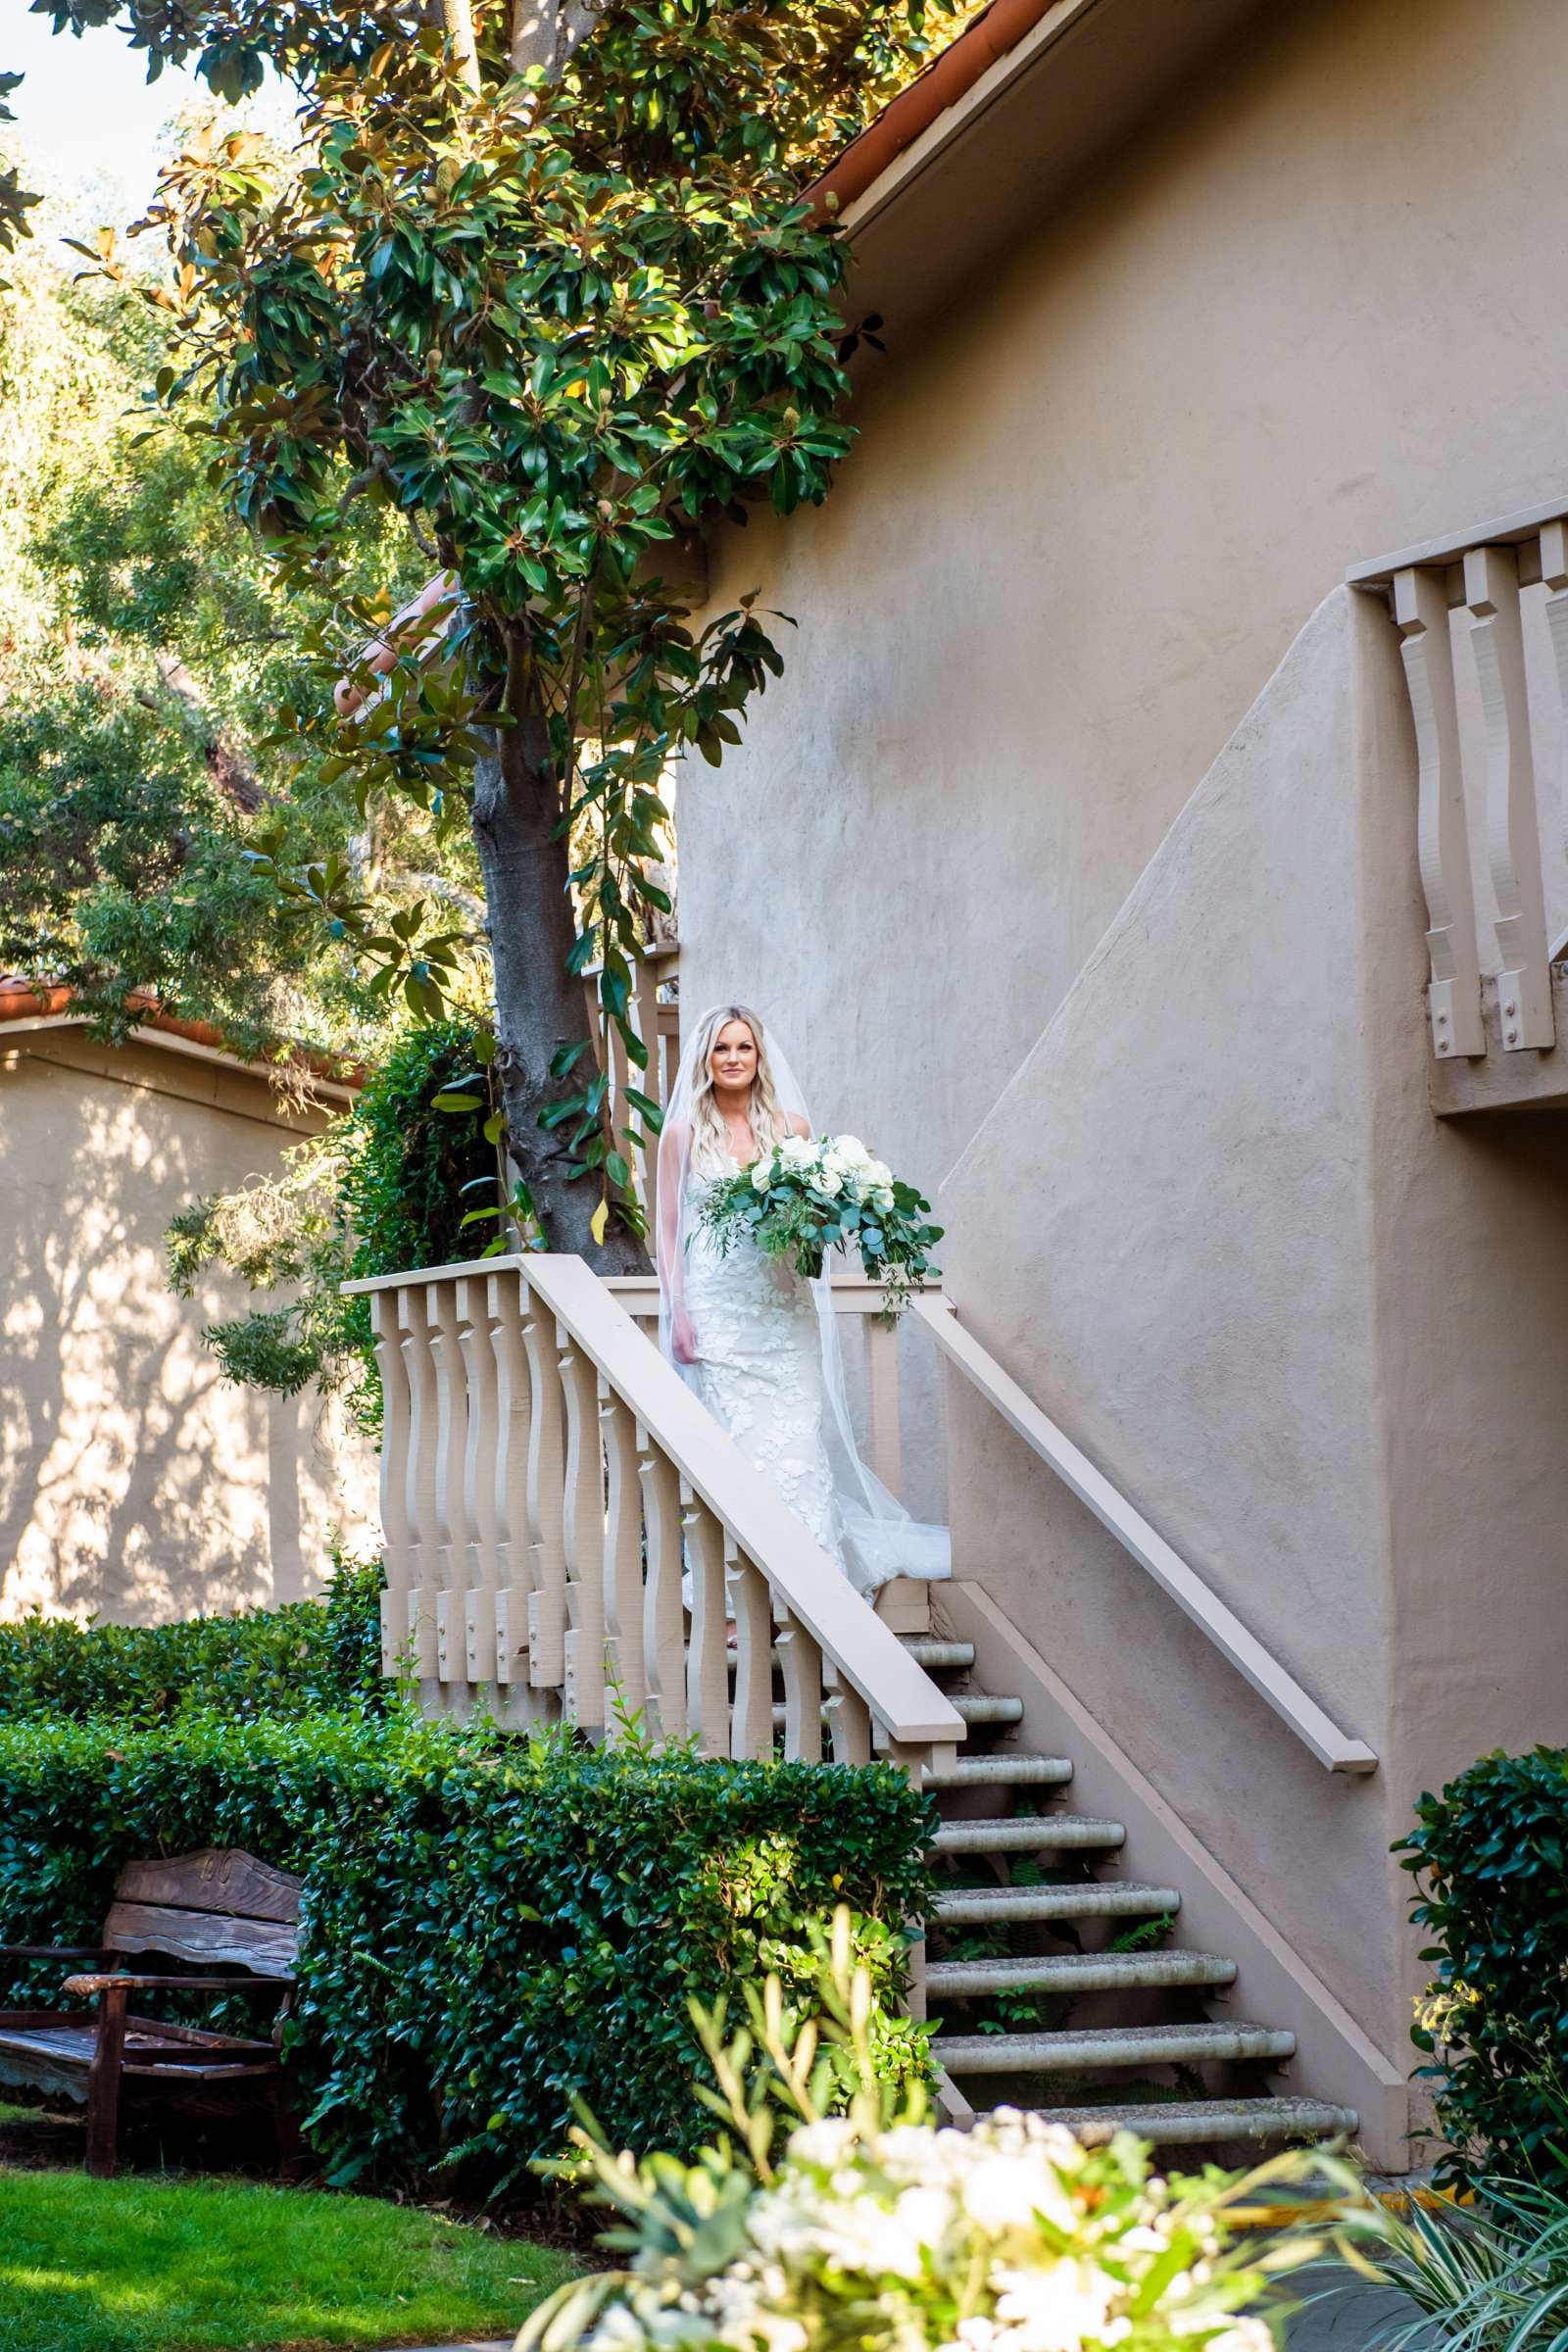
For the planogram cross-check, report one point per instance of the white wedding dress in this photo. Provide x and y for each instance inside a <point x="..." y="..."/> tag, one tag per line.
<point x="760" y="1362"/>
<point x="767" y="1353"/>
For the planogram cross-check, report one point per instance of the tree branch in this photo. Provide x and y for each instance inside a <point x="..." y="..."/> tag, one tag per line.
<point x="227" y="767"/>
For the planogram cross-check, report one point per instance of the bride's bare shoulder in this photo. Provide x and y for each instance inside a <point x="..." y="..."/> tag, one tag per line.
<point x="797" y="1123"/>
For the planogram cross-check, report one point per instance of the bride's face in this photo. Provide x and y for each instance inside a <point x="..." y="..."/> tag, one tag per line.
<point x="732" y="1064"/>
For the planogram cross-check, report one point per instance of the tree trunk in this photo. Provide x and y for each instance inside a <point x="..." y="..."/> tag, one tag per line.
<point x="540" y="1005"/>
<point x="545" y="32"/>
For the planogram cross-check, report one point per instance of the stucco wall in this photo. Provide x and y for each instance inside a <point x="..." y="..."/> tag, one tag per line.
<point x="1172" y="1048"/>
<point x="134" y="1482"/>
<point x="1296" y="322"/>
<point x="1318" y="1336"/>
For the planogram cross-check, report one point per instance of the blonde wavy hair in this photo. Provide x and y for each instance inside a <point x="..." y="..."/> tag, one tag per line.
<point x="769" y="1124"/>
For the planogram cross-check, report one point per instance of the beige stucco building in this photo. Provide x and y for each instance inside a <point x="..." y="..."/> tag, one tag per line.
<point x="1173" y="880"/>
<point x="135" y="1483"/>
<point x="1097" y="774"/>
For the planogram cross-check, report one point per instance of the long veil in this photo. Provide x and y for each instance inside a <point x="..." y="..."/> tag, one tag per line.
<point x="880" y="1538"/>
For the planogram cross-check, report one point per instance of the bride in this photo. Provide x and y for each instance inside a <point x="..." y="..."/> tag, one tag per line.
<point x="758" y="1344"/>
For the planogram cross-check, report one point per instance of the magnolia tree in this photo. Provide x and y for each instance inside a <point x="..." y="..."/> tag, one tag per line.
<point x="545" y="285"/>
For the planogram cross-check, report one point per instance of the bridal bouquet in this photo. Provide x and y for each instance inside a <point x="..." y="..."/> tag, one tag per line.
<point x="822" y="1193"/>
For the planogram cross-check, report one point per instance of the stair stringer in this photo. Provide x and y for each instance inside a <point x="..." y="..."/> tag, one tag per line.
<point x="1335" y="2058"/>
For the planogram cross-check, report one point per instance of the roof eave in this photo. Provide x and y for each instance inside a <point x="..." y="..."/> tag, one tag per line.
<point x="27" y="1011"/>
<point x="991" y="137"/>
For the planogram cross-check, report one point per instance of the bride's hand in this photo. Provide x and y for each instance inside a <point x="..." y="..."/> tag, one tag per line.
<point x="682" y="1337"/>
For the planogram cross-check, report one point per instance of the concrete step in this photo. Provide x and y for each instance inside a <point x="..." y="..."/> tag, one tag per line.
<point x="985" y="1707"/>
<point x="1028" y="1834"/>
<point x="1076" y="1972"/>
<point x="780" y="1713"/>
<point x="1009" y="1767"/>
<point x="1115" y="2046"/>
<point x="938" y="1656"/>
<point x="1188" y="2120"/>
<point x="976" y="1707"/>
<point x="1099" y="1898"/>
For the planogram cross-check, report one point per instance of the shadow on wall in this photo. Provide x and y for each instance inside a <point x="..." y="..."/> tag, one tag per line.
<point x="136" y="1482"/>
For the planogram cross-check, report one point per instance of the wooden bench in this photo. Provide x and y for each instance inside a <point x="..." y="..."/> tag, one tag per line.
<point x="224" y="1911"/>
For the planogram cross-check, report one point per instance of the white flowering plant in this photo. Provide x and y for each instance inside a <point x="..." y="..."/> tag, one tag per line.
<point x="812" y="1193"/>
<point x="877" y="2232"/>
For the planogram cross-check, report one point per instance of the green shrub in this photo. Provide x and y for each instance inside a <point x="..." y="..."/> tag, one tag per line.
<point x="1490" y="1856"/>
<point x="492" y="1928"/>
<point x="386" y="1187"/>
<point x="299" y="1660"/>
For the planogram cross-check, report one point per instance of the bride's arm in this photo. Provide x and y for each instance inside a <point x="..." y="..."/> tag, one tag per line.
<point x="671" y="1152"/>
<point x="798" y="1124"/>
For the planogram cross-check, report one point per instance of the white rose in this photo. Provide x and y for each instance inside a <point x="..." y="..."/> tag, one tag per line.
<point x="618" y="2331"/>
<point x="829" y="1180"/>
<point x="761" y="1176"/>
<point x="879" y="1173"/>
<point x="1054" y="2308"/>
<point x="826" y="2142"/>
<point x="882" y="1199"/>
<point x="1003" y="2191"/>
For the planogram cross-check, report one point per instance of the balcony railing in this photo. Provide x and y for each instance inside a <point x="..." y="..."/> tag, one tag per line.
<point x="655" y="1013"/>
<point x="1483" y="624"/>
<point x="548" y="1479"/>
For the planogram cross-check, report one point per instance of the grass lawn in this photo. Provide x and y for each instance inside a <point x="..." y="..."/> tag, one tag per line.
<point x="155" y="2265"/>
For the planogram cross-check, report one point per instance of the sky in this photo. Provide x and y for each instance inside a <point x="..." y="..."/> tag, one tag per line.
<point x="87" y="120"/>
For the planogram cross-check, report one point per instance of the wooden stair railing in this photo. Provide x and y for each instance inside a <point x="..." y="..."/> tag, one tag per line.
<point x="545" y="1481"/>
<point x="1273" y="1682"/>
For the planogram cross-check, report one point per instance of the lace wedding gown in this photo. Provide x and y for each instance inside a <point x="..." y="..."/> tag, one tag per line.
<point x="759" y="1363"/>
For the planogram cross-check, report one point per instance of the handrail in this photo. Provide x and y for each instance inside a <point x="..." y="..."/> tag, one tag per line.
<point x="1314" y="1729"/>
<point x="851" y="1293"/>
<point x="853" y="1637"/>
<point x="537" y="1457"/>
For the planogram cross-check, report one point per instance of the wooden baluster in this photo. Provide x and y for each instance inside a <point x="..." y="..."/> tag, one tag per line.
<point x="1443" y="844"/>
<point x="506" y="1307"/>
<point x="914" y="1991"/>
<point x="547" y="1472"/>
<point x="1513" y="836"/>
<point x="590" y="989"/>
<point x="649" y="1083"/>
<point x="802" y="1663"/>
<point x="882" y="1375"/>
<point x="419" y="1468"/>
<point x="707" y="1664"/>
<point x="583" y="1533"/>
<point x="851" y="1719"/>
<point x="664" y="1610"/>
<point x="669" y="1037"/>
<point x="1555" y="571"/>
<point x="751" y="1730"/>
<point x="481" y="1572"/>
<point x="395" y="1449"/>
<point x="451" y="1449"/>
<point x="623" y="1563"/>
<point x="620" y="1077"/>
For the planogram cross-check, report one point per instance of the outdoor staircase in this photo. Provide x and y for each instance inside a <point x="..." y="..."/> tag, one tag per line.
<point x="566" y="1525"/>
<point x="1057" y="1984"/>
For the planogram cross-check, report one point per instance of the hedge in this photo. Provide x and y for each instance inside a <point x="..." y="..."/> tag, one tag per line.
<point x="299" y="1660"/>
<point x="491" y="1928"/>
<point x="1491" y="1855"/>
